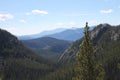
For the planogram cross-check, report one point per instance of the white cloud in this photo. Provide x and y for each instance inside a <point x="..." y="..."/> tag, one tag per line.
<point x="39" y="12"/>
<point x="106" y="11"/>
<point x="23" y="21"/>
<point x="4" y="17"/>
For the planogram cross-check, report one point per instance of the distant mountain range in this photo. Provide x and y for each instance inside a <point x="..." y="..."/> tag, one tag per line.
<point x="69" y="34"/>
<point x="62" y="34"/>
<point x="42" y="34"/>
<point x="48" y="47"/>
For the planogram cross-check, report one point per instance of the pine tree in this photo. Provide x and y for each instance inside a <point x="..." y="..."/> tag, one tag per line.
<point x="85" y="67"/>
<point x="101" y="72"/>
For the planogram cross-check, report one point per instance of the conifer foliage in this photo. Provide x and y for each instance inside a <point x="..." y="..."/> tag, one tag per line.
<point x="85" y="67"/>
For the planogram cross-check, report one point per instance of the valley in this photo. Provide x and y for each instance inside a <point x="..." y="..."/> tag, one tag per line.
<point x="54" y="59"/>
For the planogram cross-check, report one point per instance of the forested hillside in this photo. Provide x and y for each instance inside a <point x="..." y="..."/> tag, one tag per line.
<point x="18" y="62"/>
<point x="48" y="47"/>
<point x="106" y="39"/>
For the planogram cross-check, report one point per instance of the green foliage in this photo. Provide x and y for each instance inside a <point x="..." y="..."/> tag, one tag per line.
<point x="1" y="77"/>
<point x="18" y="69"/>
<point x="85" y="67"/>
<point x="47" y="47"/>
<point x="64" y="73"/>
<point x="101" y="72"/>
<point x="118" y="65"/>
<point x="19" y="62"/>
<point x="106" y="38"/>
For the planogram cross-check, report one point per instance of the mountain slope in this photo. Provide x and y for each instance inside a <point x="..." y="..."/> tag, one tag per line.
<point x="49" y="47"/>
<point x="96" y="35"/>
<point x="106" y="39"/>
<point x="18" y="62"/>
<point x="70" y="34"/>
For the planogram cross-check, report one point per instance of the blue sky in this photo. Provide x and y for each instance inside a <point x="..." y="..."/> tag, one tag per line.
<point x="24" y="17"/>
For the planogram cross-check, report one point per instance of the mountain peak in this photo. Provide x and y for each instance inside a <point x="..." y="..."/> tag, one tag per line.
<point x="99" y="30"/>
<point x="101" y="26"/>
<point x="7" y="39"/>
<point x="102" y="33"/>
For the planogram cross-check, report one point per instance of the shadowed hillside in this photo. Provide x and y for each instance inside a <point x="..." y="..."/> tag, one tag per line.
<point x="19" y="62"/>
<point x="50" y="48"/>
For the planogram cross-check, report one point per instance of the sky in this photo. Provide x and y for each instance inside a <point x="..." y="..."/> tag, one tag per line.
<point x="25" y="17"/>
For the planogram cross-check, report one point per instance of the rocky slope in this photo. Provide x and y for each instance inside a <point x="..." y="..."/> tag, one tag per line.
<point x="106" y="40"/>
<point x="103" y="33"/>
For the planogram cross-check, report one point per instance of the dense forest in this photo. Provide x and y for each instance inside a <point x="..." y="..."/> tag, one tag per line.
<point x="96" y="56"/>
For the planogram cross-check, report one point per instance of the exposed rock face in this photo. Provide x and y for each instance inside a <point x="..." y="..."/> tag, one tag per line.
<point x="98" y="31"/>
<point x="102" y="32"/>
<point x="115" y="34"/>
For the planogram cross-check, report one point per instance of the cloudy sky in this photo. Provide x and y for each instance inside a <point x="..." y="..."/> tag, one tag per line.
<point x="24" y="17"/>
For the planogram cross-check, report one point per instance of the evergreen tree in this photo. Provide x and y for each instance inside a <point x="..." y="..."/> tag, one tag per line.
<point x="85" y="67"/>
<point x="101" y="72"/>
